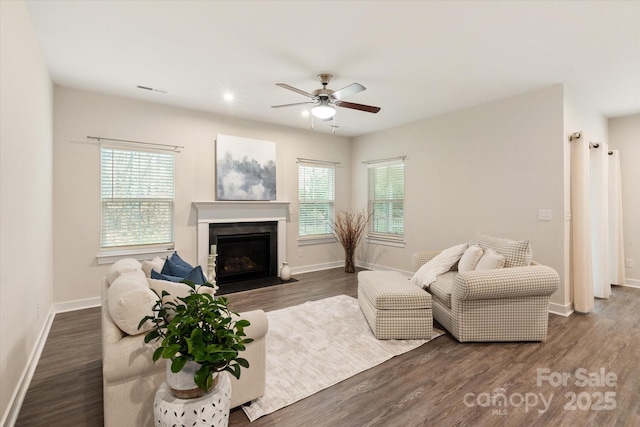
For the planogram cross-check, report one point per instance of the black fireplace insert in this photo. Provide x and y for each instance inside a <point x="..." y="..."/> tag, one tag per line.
<point x="246" y="250"/>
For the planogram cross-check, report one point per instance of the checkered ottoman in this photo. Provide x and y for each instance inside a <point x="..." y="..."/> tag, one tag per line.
<point x="395" y="308"/>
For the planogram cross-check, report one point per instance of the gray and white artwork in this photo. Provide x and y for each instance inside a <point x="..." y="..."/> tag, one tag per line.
<point x="245" y="169"/>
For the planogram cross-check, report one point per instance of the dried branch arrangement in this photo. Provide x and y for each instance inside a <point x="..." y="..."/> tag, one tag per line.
<point x="349" y="228"/>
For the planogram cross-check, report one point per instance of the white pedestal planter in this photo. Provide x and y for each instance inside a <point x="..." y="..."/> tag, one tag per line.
<point x="212" y="409"/>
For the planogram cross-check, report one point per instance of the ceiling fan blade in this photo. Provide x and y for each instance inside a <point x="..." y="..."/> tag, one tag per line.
<point x="296" y="90"/>
<point x="294" y="104"/>
<point x="347" y="90"/>
<point x="361" y="107"/>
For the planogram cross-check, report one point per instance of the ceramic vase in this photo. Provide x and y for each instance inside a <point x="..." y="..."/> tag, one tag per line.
<point x="182" y="384"/>
<point x="285" y="271"/>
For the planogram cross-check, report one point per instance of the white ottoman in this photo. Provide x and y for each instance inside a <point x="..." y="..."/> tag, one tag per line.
<point x="394" y="307"/>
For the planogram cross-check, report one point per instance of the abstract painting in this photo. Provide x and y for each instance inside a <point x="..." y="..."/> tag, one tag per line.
<point x="245" y="169"/>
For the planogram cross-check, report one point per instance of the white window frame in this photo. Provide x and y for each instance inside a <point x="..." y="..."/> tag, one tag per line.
<point x="328" y="236"/>
<point x="136" y="248"/>
<point x="384" y="237"/>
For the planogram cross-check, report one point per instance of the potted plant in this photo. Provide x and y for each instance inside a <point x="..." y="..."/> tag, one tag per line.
<point x="348" y="228"/>
<point x="199" y="334"/>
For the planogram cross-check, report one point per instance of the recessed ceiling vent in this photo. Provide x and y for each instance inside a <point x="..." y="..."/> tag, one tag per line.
<point x="152" y="89"/>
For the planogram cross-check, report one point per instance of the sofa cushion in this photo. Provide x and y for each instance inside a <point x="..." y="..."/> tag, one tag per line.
<point x="155" y="264"/>
<point x="516" y="254"/>
<point x="441" y="288"/>
<point x="470" y="258"/>
<point x="490" y="260"/>
<point x="125" y="265"/>
<point x="129" y="300"/>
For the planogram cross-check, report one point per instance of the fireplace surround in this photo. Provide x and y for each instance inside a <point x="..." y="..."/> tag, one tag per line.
<point x="226" y="215"/>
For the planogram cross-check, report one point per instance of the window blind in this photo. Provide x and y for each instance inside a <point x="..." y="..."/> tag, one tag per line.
<point x="316" y="197"/>
<point x="137" y="192"/>
<point x="386" y="200"/>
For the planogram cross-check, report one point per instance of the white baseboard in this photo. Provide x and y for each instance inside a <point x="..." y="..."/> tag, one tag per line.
<point x="632" y="283"/>
<point x="15" y="404"/>
<point x="62" y="307"/>
<point x="565" y="310"/>
<point x="378" y="267"/>
<point x="316" y="267"/>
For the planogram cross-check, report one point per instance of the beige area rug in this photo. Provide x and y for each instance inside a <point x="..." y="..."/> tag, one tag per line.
<point x="317" y="344"/>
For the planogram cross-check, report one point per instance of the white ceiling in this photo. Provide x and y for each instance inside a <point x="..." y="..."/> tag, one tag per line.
<point x="417" y="59"/>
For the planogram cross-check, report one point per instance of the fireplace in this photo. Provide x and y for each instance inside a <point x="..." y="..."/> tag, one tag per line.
<point x="246" y="250"/>
<point x="226" y="213"/>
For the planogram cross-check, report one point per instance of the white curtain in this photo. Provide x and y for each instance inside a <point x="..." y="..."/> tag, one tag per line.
<point x="616" y="242"/>
<point x="599" y="202"/>
<point x="581" y="251"/>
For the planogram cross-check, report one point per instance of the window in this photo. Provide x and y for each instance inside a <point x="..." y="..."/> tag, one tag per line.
<point x="386" y="200"/>
<point x="316" y="197"/>
<point x="137" y="192"/>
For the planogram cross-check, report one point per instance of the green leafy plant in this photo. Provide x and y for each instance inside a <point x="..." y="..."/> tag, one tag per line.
<point x="198" y="327"/>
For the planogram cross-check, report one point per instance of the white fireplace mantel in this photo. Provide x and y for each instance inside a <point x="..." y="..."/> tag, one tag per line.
<point x="249" y="211"/>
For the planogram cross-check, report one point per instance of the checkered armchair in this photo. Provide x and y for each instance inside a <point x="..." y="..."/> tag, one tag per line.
<point x="506" y="304"/>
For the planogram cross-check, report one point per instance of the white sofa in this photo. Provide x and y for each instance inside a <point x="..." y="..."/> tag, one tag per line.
<point x="129" y="376"/>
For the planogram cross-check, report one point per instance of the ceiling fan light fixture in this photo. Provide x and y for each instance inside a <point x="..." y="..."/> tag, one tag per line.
<point x="323" y="111"/>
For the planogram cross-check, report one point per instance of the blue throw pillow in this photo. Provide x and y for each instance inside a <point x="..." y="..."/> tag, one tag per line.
<point x="166" y="269"/>
<point x="176" y="266"/>
<point x="176" y="269"/>
<point x="175" y="258"/>
<point x="162" y="276"/>
<point x="195" y="275"/>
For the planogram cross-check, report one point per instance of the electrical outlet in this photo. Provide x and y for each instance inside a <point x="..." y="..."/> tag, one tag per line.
<point x="544" y="215"/>
<point x="300" y="252"/>
<point x="628" y="263"/>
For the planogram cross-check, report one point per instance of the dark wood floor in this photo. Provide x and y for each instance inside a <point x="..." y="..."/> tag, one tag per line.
<point x="443" y="383"/>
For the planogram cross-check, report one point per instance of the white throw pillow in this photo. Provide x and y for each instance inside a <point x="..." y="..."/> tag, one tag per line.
<point x="516" y="254"/>
<point x="156" y="264"/>
<point x="441" y="263"/>
<point x="129" y="300"/>
<point x="470" y="258"/>
<point x="125" y="265"/>
<point x="490" y="260"/>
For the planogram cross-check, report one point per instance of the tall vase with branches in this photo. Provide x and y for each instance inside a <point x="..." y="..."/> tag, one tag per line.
<point x="348" y="228"/>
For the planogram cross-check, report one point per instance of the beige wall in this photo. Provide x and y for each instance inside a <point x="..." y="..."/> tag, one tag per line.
<point x="79" y="114"/>
<point x="25" y="197"/>
<point x="488" y="169"/>
<point x="624" y="135"/>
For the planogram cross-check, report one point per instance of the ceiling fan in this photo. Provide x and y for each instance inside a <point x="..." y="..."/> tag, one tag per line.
<point x="324" y="99"/>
